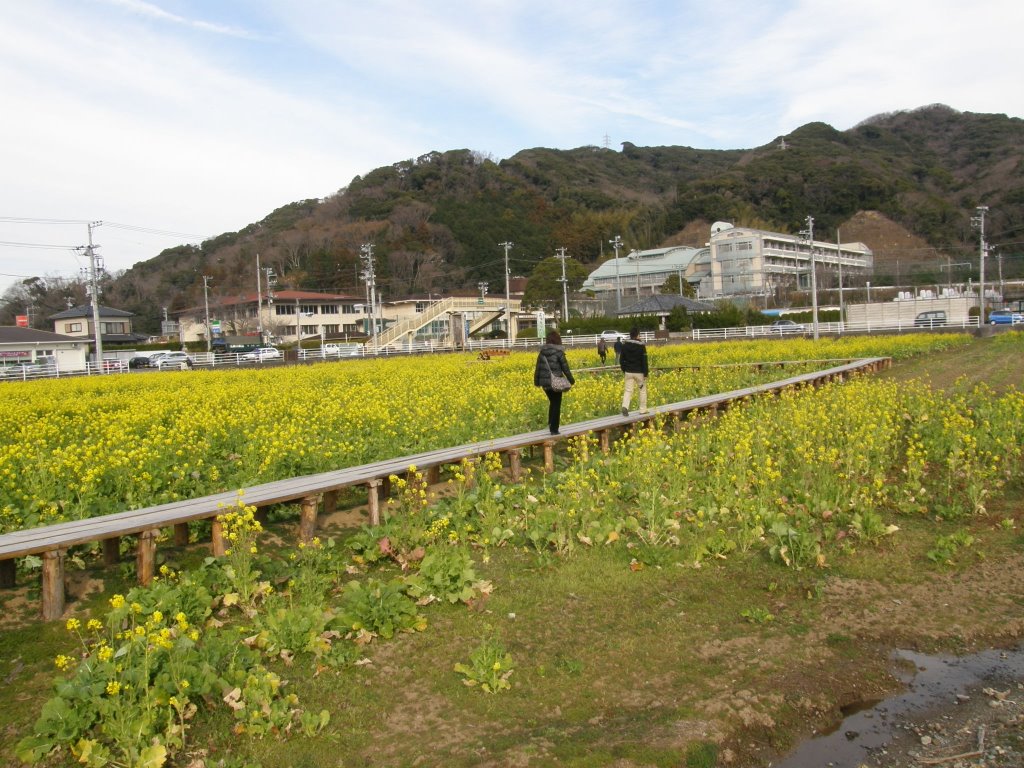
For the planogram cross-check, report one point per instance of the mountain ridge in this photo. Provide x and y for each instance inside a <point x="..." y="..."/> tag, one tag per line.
<point x="909" y="181"/>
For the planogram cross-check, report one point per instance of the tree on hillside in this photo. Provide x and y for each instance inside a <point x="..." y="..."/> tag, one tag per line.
<point x="544" y="287"/>
<point x="671" y="287"/>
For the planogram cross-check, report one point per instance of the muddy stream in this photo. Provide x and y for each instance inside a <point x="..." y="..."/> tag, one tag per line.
<point x="933" y="683"/>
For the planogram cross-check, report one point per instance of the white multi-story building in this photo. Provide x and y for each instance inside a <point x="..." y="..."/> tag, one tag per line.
<point x="753" y="262"/>
<point x="736" y="262"/>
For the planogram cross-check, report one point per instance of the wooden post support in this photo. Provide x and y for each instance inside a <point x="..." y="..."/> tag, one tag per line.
<point x="260" y="515"/>
<point x="217" y="538"/>
<point x="434" y="475"/>
<point x="549" y="456"/>
<point x="53" y="584"/>
<point x="330" y="502"/>
<point x="112" y="551"/>
<point x="677" y="421"/>
<point x="605" y="439"/>
<point x="145" y="559"/>
<point x="385" y="488"/>
<point x="373" y="501"/>
<point x="8" y="571"/>
<point x="515" y="464"/>
<point x="181" y="534"/>
<point x="307" y="518"/>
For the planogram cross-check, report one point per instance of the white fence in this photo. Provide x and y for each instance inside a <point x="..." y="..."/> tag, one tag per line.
<point x="27" y="372"/>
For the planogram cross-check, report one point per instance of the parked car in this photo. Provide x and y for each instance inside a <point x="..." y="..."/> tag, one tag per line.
<point x="174" y="361"/>
<point x="931" y="319"/>
<point x="25" y="371"/>
<point x="263" y="353"/>
<point x="612" y="336"/>
<point x="341" y="350"/>
<point x="1005" y="317"/>
<point x="783" y="325"/>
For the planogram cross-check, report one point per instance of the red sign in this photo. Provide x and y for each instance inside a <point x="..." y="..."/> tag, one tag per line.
<point x="21" y="321"/>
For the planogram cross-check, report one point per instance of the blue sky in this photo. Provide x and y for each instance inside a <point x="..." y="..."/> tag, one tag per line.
<point x="187" y="119"/>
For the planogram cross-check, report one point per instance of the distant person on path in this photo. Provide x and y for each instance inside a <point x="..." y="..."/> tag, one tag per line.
<point x="551" y="363"/>
<point x="618" y="348"/>
<point x="633" y="362"/>
<point x="602" y="350"/>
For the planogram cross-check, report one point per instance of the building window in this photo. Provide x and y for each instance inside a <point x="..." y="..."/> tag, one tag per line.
<point x="113" y="327"/>
<point x="330" y="329"/>
<point x="348" y="309"/>
<point x="329" y="309"/>
<point x="251" y="312"/>
<point x="72" y="327"/>
<point x="748" y="246"/>
<point x="308" y="309"/>
<point x="284" y="309"/>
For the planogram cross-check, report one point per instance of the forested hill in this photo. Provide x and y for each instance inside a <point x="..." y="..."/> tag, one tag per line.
<point x="437" y="221"/>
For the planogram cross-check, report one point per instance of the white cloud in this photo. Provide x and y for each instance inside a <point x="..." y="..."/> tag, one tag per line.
<point x="196" y="117"/>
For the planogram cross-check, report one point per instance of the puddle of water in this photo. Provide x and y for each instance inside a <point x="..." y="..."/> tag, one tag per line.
<point x="933" y="682"/>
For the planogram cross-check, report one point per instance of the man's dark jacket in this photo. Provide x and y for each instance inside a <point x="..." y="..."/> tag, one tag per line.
<point x="633" y="358"/>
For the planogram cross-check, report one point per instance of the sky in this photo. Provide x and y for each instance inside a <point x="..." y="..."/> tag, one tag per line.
<point x="172" y="121"/>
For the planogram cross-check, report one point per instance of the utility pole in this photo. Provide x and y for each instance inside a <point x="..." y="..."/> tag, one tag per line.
<point x="839" y="259"/>
<point x="206" y="305"/>
<point x="616" y="243"/>
<point x="371" y="282"/>
<point x="510" y="332"/>
<point x="95" y="269"/>
<point x="482" y="286"/>
<point x="565" y="285"/>
<point x="636" y="258"/>
<point x="979" y="222"/>
<point x="809" y="234"/>
<point x="259" y="299"/>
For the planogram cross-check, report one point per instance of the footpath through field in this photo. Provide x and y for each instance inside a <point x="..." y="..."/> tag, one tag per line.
<point x="312" y="491"/>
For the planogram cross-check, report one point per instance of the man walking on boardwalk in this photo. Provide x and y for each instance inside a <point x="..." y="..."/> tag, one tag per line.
<point x="633" y="362"/>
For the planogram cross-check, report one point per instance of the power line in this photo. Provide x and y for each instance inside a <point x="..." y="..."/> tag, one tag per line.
<point x="36" y="245"/>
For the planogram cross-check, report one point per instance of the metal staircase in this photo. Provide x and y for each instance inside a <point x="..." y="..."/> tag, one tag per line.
<point x="491" y="307"/>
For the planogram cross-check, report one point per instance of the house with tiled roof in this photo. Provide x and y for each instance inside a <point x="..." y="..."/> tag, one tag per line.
<point x="115" y="324"/>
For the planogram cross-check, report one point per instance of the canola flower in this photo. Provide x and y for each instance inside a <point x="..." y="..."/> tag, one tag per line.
<point x="71" y="448"/>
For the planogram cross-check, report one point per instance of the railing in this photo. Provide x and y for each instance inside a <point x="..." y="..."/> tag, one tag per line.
<point x="53" y="541"/>
<point x="828" y="329"/>
<point x="439" y="308"/>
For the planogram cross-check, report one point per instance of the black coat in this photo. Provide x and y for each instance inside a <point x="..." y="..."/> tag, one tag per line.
<point x="554" y="355"/>
<point x="633" y="358"/>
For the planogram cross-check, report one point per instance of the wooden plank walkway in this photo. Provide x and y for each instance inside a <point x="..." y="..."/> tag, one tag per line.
<point x="53" y="541"/>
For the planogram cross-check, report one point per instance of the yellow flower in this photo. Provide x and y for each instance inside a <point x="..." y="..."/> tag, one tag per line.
<point x="117" y="601"/>
<point x="105" y="653"/>
<point x="184" y="685"/>
<point x="113" y="688"/>
<point x="62" y="662"/>
<point x="73" y="625"/>
<point x="94" y="625"/>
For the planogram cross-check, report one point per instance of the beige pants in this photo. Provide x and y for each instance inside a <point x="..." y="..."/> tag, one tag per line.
<point x="634" y="380"/>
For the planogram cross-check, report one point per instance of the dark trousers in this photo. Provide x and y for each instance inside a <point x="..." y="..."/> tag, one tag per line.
<point x="554" y="409"/>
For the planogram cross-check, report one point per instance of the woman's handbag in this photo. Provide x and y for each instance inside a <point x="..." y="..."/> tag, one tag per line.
<point x="559" y="383"/>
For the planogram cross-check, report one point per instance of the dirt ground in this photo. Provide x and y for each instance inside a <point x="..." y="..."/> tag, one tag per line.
<point x="979" y="609"/>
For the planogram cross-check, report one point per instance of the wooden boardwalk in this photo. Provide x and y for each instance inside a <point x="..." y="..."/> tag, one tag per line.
<point x="314" y="491"/>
